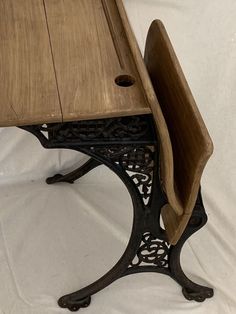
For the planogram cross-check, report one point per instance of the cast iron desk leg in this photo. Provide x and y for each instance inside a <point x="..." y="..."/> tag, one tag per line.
<point x="128" y="146"/>
<point x="76" y="174"/>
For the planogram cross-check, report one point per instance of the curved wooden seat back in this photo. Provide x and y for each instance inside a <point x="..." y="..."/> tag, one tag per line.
<point x="180" y="168"/>
<point x="190" y="141"/>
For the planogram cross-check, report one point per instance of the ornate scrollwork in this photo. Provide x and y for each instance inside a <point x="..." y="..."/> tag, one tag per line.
<point x="141" y="162"/>
<point x="138" y="162"/>
<point x="112" y="129"/>
<point x="123" y="135"/>
<point x="144" y="184"/>
<point x="151" y="251"/>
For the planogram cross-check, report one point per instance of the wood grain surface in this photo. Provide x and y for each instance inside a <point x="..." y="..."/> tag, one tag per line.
<point x="190" y="141"/>
<point x="90" y="51"/>
<point x="28" y="92"/>
<point x="66" y="60"/>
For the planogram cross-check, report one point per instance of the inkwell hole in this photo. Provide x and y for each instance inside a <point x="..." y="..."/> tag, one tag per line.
<point x="125" y="80"/>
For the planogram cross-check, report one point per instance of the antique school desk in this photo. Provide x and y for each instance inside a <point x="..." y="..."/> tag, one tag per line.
<point x="71" y="73"/>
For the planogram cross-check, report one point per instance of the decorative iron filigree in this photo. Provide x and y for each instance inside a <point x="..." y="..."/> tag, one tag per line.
<point x="124" y="136"/>
<point x="141" y="162"/>
<point x="112" y="129"/>
<point x="152" y="251"/>
<point x="138" y="162"/>
<point x="133" y="160"/>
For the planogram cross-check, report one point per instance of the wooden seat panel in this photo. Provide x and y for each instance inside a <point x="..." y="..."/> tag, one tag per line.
<point x="28" y="92"/>
<point x="190" y="141"/>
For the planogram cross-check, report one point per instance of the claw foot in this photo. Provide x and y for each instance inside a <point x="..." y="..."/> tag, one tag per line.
<point x="58" y="178"/>
<point x="198" y="296"/>
<point x="74" y="305"/>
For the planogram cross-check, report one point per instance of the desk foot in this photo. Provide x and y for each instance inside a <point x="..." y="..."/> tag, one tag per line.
<point x="73" y="305"/>
<point x="76" y="174"/>
<point x="149" y="252"/>
<point x="198" y="296"/>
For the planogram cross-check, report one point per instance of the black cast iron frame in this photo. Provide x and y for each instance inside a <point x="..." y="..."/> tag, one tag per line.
<point x="129" y="147"/>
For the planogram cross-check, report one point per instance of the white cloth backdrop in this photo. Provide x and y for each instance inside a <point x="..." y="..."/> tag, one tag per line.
<point x="57" y="239"/>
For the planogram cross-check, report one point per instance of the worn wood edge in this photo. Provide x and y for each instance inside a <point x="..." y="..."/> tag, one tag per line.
<point x="74" y="117"/>
<point x="162" y="130"/>
<point x="110" y="114"/>
<point x="37" y="120"/>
